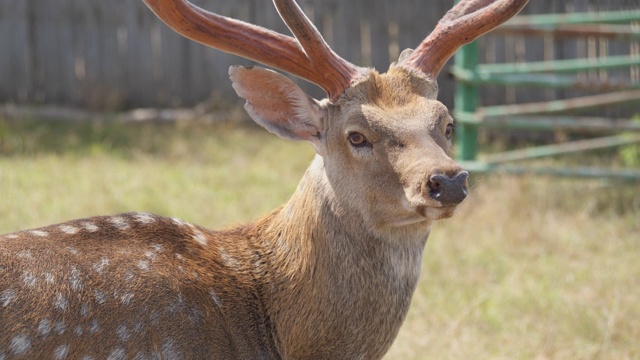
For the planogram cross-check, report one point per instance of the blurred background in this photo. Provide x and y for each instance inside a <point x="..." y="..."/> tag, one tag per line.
<point x="103" y="109"/>
<point x="117" y="55"/>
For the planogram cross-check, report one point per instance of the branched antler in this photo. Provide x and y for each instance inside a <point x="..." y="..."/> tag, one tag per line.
<point x="308" y="57"/>
<point x="462" y="24"/>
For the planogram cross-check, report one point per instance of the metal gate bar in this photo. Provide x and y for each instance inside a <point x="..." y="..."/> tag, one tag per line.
<point x="546" y="116"/>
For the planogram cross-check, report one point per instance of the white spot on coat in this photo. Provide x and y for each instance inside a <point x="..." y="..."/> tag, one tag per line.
<point x="117" y="354"/>
<point x="13" y="236"/>
<point x="73" y="250"/>
<point x="74" y="279"/>
<point x="68" y="229"/>
<point x="20" y="344"/>
<point x="61" y="352"/>
<point x="85" y="310"/>
<point x="119" y="222"/>
<point x="200" y="238"/>
<point x="39" y="233"/>
<point x="25" y="254"/>
<point x="7" y="296"/>
<point x="60" y="327"/>
<point x="228" y="260"/>
<point x="214" y="297"/>
<point x="169" y="350"/>
<point x="90" y="227"/>
<point x="49" y="278"/>
<point x="123" y="332"/>
<point x="126" y="298"/>
<point x="143" y="265"/>
<point x="94" y="327"/>
<point x="78" y="330"/>
<point x="144" y="218"/>
<point x="178" y="222"/>
<point x="100" y="265"/>
<point x="29" y="279"/>
<point x="129" y="275"/>
<point x="156" y="247"/>
<point x="44" y="327"/>
<point x="100" y="296"/>
<point x="61" y="302"/>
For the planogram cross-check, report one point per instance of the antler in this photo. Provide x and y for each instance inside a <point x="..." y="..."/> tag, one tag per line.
<point x="461" y="25"/>
<point x="308" y="57"/>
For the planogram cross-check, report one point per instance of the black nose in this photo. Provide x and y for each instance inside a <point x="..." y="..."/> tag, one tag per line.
<point x="448" y="190"/>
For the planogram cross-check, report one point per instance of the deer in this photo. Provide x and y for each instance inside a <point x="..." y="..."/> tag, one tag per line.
<point x="328" y="275"/>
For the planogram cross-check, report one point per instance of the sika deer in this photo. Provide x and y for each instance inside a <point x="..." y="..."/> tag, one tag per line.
<point x="329" y="275"/>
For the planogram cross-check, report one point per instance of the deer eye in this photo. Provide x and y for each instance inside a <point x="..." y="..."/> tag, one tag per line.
<point x="358" y="140"/>
<point x="449" y="131"/>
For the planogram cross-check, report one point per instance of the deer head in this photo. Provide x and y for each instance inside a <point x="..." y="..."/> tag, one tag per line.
<point x="384" y="139"/>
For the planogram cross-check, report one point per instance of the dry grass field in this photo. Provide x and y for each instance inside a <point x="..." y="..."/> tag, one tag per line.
<point x="529" y="268"/>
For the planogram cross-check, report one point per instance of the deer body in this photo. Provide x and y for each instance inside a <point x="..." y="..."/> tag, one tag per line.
<point x="329" y="275"/>
<point x="314" y="279"/>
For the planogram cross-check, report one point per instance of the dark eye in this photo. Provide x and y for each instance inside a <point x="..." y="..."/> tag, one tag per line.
<point x="449" y="131"/>
<point x="356" y="139"/>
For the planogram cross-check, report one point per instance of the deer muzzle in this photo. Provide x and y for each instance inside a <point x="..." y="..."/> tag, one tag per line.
<point x="448" y="190"/>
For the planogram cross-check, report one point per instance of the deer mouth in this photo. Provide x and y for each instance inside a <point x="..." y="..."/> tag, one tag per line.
<point x="436" y="212"/>
<point x="423" y="210"/>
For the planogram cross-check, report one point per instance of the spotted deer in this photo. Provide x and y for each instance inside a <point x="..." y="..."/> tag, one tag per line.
<point x="329" y="275"/>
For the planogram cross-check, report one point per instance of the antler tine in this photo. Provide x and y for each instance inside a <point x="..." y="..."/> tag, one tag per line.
<point x="338" y="73"/>
<point x="265" y="46"/>
<point x="461" y="25"/>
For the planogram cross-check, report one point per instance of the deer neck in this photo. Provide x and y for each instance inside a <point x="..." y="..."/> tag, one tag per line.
<point x="343" y="279"/>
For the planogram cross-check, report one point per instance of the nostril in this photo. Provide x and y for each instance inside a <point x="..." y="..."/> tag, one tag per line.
<point x="435" y="184"/>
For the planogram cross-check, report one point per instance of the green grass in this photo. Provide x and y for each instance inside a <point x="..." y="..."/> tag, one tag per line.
<point x="212" y="175"/>
<point x="529" y="268"/>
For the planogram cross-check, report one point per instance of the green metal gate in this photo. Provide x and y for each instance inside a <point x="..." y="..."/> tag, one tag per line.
<point x="555" y="74"/>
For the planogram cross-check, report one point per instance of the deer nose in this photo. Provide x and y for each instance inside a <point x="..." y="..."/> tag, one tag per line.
<point x="448" y="190"/>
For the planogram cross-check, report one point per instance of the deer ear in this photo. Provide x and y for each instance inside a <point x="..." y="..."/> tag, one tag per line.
<point x="279" y="105"/>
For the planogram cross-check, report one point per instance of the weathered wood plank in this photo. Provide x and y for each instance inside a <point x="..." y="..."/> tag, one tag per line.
<point x="117" y="54"/>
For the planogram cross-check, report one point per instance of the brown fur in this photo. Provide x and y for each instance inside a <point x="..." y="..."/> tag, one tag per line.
<point x="329" y="275"/>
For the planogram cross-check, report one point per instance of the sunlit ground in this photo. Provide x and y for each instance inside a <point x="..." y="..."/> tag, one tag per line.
<point x="529" y="268"/>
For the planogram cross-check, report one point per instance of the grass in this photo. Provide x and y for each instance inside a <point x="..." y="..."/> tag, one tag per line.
<point x="529" y="268"/>
<point x="211" y="175"/>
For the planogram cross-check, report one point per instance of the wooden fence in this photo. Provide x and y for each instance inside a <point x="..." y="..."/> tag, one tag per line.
<point x="116" y="54"/>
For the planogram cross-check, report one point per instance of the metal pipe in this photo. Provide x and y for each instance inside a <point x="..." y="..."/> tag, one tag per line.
<point x="560" y="66"/>
<point x="572" y="123"/>
<point x="581" y="172"/>
<point x="560" y="149"/>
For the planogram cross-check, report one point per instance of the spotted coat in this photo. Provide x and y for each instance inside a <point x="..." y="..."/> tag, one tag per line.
<point x="129" y="287"/>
